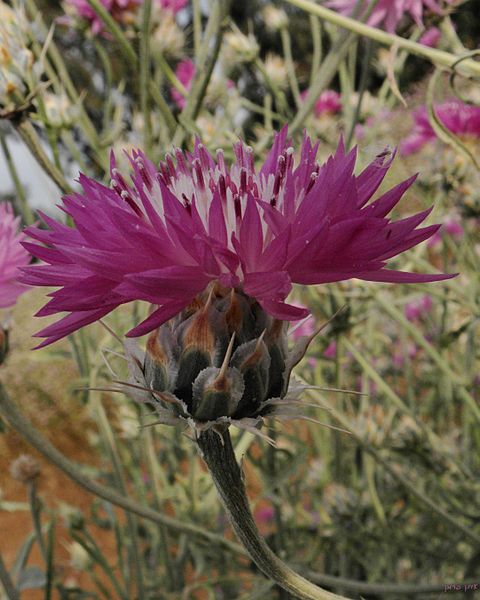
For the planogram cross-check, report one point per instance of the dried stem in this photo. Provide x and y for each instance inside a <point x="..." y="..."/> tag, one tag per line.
<point x="218" y="454"/>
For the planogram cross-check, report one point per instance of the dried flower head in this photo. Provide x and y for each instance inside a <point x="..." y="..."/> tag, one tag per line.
<point x="171" y="232"/>
<point x="274" y="18"/>
<point x="168" y="39"/>
<point x="12" y="257"/>
<point x="388" y="13"/>
<point x="25" y="469"/>
<point x="18" y="70"/>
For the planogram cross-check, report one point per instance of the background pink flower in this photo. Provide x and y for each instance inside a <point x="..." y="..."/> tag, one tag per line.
<point x="329" y="102"/>
<point x="164" y="237"/>
<point x="185" y="73"/>
<point x="461" y="119"/>
<point x="388" y="13"/>
<point x="117" y="8"/>
<point x="173" y="5"/>
<point x="12" y="257"/>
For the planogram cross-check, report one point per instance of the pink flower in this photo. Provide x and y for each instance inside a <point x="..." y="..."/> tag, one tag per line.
<point x="329" y="102"/>
<point x="173" y="5"/>
<point x="418" y="308"/>
<point x="185" y="73"/>
<point x="388" y="13"/>
<point x="120" y="10"/>
<point x="451" y="227"/>
<point x="459" y="118"/>
<point x="306" y="327"/>
<point x="265" y="514"/>
<point x="12" y="257"/>
<point x="164" y="237"/>
<point x="331" y="350"/>
<point x="431" y="37"/>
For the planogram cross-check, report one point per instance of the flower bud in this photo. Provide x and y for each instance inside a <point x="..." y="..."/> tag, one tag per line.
<point x="274" y="18"/>
<point x="25" y="469"/>
<point x="80" y="560"/>
<point x="240" y="48"/>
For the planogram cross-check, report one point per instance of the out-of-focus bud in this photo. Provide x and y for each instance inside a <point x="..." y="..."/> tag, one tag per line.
<point x="18" y="72"/>
<point x="59" y="110"/>
<point x="276" y="71"/>
<point x="274" y="18"/>
<point x="80" y="560"/>
<point x="240" y="48"/>
<point x="25" y="469"/>
<point x="71" y="516"/>
<point x="168" y="39"/>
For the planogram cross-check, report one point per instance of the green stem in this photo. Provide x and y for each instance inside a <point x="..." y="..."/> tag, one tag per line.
<point x="287" y="53"/>
<point x="145" y="73"/>
<point x="6" y="580"/>
<point x="20" y="201"/>
<point x="35" y="509"/>
<point x="218" y="454"/>
<point x="467" y="67"/>
<point x="28" y="134"/>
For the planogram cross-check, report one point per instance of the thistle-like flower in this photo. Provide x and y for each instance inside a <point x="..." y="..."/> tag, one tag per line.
<point x="171" y="232"/>
<point x="387" y="14"/>
<point x="12" y="257"/>
<point x="461" y="119"/>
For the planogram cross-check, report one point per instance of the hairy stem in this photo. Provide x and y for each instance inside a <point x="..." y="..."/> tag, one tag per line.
<point x="218" y="454"/>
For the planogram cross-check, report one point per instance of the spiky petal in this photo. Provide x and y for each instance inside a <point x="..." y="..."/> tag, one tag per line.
<point x="170" y="232"/>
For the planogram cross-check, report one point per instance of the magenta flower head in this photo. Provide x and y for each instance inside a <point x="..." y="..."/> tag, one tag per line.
<point x="12" y="257"/>
<point x="121" y="11"/>
<point x="387" y="14"/>
<point x="173" y="230"/>
<point x="461" y="119"/>
<point x="215" y="249"/>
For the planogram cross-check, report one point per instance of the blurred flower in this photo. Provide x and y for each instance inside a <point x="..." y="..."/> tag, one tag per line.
<point x="276" y="70"/>
<point x="328" y="103"/>
<point x="331" y="350"/>
<point x="274" y="18"/>
<point x="59" y="110"/>
<point x="167" y="39"/>
<point x="12" y="257"/>
<point x="185" y="73"/>
<point x="398" y="357"/>
<point x="306" y="327"/>
<point x="123" y="11"/>
<point x="240" y="48"/>
<point x="25" y="469"/>
<point x="265" y="514"/>
<point x="172" y="5"/>
<point x="418" y="308"/>
<point x="165" y="237"/>
<point x="388" y="13"/>
<point x="18" y="71"/>
<point x="461" y="119"/>
<point x="80" y="559"/>
<point x="431" y="37"/>
<point x="451" y="227"/>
